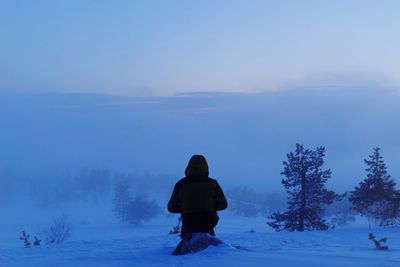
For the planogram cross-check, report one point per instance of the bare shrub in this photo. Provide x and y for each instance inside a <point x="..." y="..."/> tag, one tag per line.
<point x="59" y="231"/>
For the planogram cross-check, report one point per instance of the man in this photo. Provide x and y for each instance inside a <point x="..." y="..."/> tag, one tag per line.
<point x="198" y="198"/>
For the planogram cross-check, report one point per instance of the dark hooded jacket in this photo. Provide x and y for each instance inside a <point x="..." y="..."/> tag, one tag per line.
<point x="198" y="197"/>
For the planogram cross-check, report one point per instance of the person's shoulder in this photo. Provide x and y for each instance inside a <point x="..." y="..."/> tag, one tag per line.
<point x="181" y="181"/>
<point x="212" y="180"/>
<point x="185" y="180"/>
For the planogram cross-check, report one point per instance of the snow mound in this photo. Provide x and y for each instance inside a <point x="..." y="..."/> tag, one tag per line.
<point x="196" y="242"/>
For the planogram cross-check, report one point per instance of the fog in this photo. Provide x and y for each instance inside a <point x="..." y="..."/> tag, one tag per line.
<point x="245" y="137"/>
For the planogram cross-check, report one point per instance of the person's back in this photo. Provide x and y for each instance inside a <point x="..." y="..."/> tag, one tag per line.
<point x="198" y="198"/>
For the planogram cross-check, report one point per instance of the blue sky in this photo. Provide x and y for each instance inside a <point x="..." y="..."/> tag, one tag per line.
<point x="164" y="47"/>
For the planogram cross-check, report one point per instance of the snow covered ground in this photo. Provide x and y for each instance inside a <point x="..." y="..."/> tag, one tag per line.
<point x="105" y="243"/>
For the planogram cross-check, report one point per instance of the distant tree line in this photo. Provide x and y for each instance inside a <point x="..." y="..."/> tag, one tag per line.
<point x="130" y="192"/>
<point x="309" y="202"/>
<point x="247" y="202"/>
<point x="376" y="197"/>
<point x="51" y="189"/>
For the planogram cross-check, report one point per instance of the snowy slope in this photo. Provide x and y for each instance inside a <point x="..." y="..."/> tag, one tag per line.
<point x="150" y="245"/>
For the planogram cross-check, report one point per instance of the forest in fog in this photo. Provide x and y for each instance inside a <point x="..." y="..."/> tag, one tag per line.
<point x="66" y="148"/>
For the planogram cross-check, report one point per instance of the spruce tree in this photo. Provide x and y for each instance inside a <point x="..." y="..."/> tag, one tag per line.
<point x="376" y="196"/>
<point x="305" y="183"/>
<point x="130" y="208"/>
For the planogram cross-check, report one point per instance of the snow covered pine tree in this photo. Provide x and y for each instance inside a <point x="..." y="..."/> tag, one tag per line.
<point x="305" y="184"/>
<point x="376" y="196"/>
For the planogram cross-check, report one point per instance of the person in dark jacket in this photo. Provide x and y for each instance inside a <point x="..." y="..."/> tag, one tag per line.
<point x="198" y="198"/>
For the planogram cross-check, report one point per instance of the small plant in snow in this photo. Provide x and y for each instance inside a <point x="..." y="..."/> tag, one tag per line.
<point x="59" y="231"/>
<point x="25" y="238"/>
<point x="36" y="241"/>
<point x="379" y="244"/>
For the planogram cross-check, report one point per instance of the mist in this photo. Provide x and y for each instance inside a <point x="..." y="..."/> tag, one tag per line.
<point x="244" y="136"/>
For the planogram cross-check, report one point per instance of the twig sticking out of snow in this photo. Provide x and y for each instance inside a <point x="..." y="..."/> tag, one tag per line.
<point x="176" y="229"/>
<point x="379" y="244"/>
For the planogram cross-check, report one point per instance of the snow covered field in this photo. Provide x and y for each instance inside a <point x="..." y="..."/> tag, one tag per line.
<point x="105" y="243"/>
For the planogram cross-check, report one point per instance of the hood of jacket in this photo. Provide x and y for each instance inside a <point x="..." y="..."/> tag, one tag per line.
<point x="197" y="166"/>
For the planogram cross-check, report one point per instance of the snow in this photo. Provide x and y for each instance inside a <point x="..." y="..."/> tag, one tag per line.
<point x="106" y="243"/>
